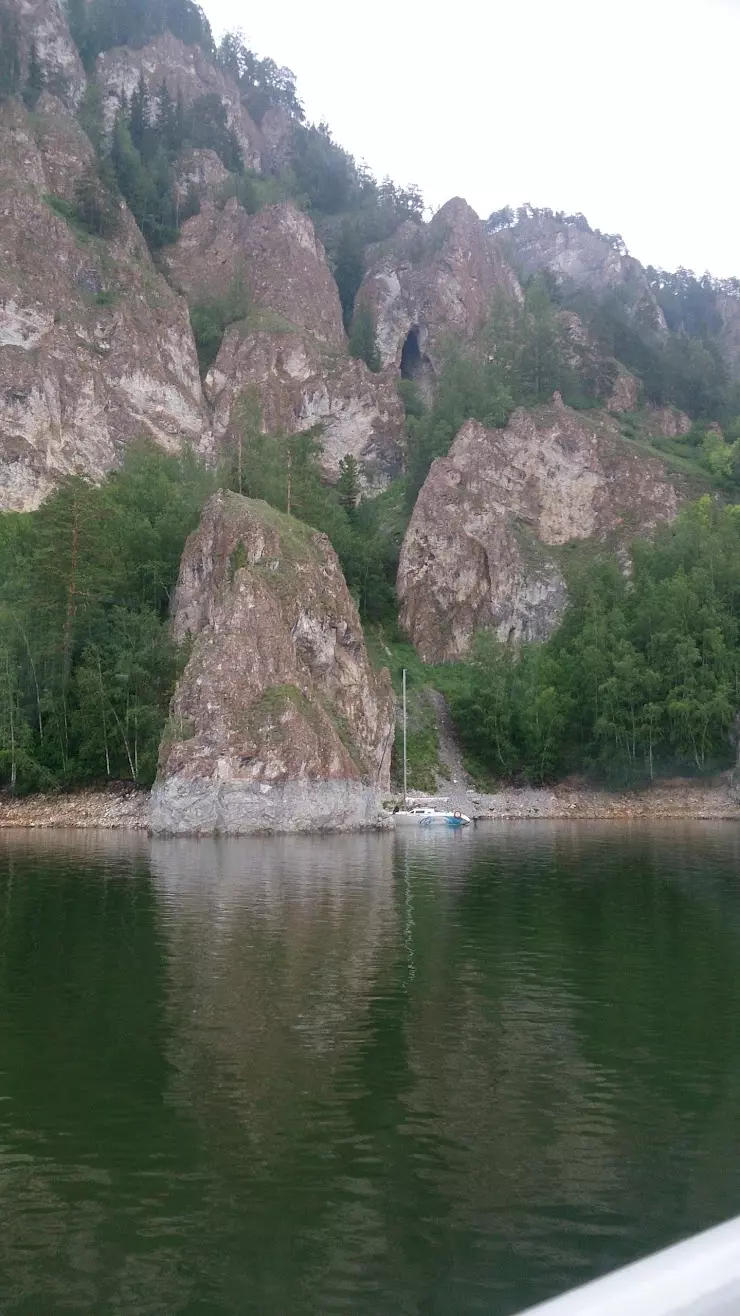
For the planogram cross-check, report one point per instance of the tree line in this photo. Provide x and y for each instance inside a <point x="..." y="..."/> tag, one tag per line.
<point x="87" y="667"/>
<point x="87" y="664"/>
<point x="642" y="678"/>
<point x="526" y="353"/>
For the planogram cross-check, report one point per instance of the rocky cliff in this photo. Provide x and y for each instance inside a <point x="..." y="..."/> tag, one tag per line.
<point x="434" y="281"/>
<point x="43" y="24"/>
<point x="95" y="347"/>
<point x="728" y="312"/>
<point x="290" y="352"/>
<point x="278" y="722"/>
<point x="277" y="255"/>
<point x="581" y="258"/>
<point x="187" y="72"/>
<point x="478" y="553"/>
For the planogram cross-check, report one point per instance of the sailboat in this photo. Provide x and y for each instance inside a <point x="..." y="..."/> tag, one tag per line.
<point x="422" y="817"/>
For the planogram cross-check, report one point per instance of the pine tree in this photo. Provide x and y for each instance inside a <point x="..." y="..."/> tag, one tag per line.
<point x="138" y="119"/>
<point x="348" y="484"/>
<point x="167" y="125"/>
<point x="97" y="206"/>
<point x="350" y="268"/>
<point x="34" y="78"/>
<point x="362" y="342"/>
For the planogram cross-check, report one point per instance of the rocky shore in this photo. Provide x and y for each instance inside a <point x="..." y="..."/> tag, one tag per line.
<point x="117" y="808"/>
<point x="718" y="797"/>
<point x="125" y="809"/>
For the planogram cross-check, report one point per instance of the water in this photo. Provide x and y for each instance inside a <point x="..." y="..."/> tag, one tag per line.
<point x="439" y="1074"/>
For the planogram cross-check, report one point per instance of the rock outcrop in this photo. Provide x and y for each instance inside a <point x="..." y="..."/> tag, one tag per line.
<point x="666" y="422"/>
<point x="575" y="254"/>
<point x="201" y="172"/>
<point x="727" y="304"/>
<point x="625" y="394"/>
<point x="478" y="550"/>
<point x="278" y="722"/>
<point x="290" y="352"/>
<point x="43" y="23"/>
<point x="434" y="281"/>
<point x="298" y="385"/>
<point x="277" y="255"/>
<point x="95" y="348"/>
<point x="187" y="72"/>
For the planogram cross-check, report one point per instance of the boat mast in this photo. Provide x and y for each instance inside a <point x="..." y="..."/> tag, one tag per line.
<point x="405" y="759"/>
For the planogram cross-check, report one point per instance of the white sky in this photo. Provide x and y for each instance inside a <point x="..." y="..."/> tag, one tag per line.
<point x="626" y="110"/>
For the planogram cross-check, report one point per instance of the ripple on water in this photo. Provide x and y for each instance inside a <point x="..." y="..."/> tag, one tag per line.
<point x="441" y="1074"/>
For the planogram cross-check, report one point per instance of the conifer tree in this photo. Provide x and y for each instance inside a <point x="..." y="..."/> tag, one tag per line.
<point x="350" y="268"/>
<point x="362" y="342"/>
<point x="34" y="78"/>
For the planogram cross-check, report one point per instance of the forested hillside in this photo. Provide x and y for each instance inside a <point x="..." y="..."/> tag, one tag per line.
<point x="642" y="675"/>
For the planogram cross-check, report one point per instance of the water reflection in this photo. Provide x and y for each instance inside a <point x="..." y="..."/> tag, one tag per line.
<point x="439" y="1074"/>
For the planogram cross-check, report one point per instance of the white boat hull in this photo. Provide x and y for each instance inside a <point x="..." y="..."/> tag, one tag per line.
<point x="426" y="818"/>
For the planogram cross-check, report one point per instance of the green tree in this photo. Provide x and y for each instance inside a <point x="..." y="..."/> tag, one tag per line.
<point x="211" y="318"/>
<point x="34" y="84"/>
<point x="85" y="589"/>
<point x="348" y="484"/>
<point x="350" y="268"/>
<point x="362" y="342"/>
<point x="97" y="206"/>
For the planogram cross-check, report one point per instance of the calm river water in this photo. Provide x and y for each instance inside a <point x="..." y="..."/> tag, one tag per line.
<point x="434" y="1075"/>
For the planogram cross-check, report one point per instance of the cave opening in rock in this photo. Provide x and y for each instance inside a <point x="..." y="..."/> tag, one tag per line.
<point x="411" y="358"/>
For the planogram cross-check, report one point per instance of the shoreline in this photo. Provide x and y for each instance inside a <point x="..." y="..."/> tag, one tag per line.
<point x="128" y="809"/>
<point x="686" y="798"/>
<point x="116" y="809"/>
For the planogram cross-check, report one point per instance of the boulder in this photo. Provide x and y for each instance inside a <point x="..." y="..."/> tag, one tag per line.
<point x="95" y="348"/>
<point x="434" y="281"/>
<point x="478" y="550"/>
<point x="279" y="723"/>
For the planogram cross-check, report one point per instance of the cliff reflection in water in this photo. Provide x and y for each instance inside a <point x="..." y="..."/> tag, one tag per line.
<point x="274" y="946"/>
<point x="361" y="1074"/>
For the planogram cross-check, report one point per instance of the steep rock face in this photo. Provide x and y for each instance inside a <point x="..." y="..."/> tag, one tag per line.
<point x="200" y="171"/>
<point x="95" y="348"/>
<point x="476" y="554"/>
<point x="275" y="252"/>
<point x="436" y="279"/>
<point x="276" y="133"/>
<point x="187" y="71"/>
<point x="299" y="384"/>
<point x="44" y="22"/>
<point x="278" y="722"/>
<point x="573" y="253"/>
<point x="290" y="353"/>
<point x="728" y="310"/>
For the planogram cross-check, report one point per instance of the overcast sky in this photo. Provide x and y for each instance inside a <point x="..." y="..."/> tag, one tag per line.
<point x="624" y="109"/>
